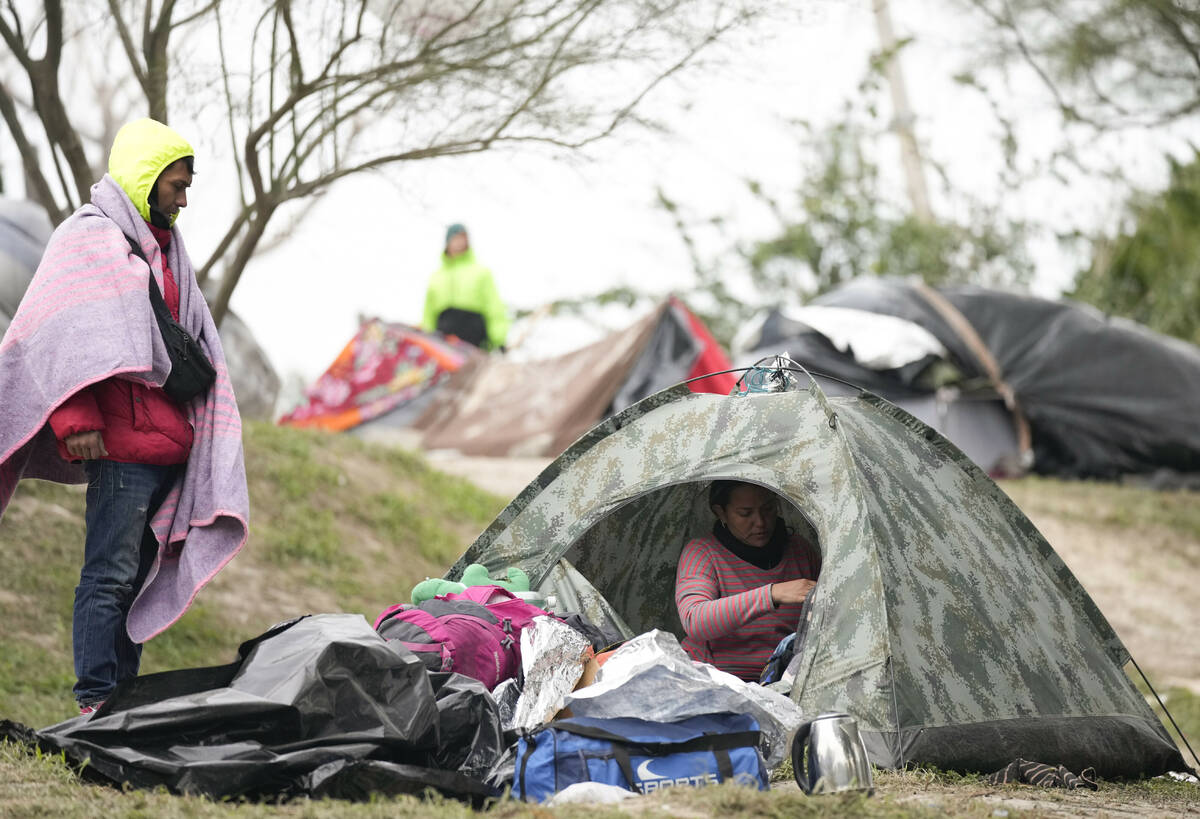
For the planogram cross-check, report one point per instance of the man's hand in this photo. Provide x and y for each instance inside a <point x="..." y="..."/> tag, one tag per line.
<point x="86" y="445"/>
<point x="792" y="591"/>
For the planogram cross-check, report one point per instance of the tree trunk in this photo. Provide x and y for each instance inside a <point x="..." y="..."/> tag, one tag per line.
<point x="44" y="79"/>
<point x="157" y="68"/>
<point x="902" y="116"/>
<point x="36" y="186"/>
<point x="233" y="273"/>
<point x="156" y="92"/>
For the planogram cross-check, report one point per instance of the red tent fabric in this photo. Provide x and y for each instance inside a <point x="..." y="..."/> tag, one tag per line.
<point x="712" y="358"/>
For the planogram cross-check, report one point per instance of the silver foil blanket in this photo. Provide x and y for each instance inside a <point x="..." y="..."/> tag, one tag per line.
<point x="552" y="655"/>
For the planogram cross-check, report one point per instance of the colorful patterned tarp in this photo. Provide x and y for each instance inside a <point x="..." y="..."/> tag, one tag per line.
<point x="383" y="367"/>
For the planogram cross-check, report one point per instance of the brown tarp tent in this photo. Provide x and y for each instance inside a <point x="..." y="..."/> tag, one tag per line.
<point x="499" y="407"/>
<point x="496" y="406"/>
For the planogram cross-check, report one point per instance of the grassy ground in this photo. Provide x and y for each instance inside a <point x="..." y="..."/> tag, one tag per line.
<point x="46" y="786"/>
<point x="340" y="525"/>
<point x="336" y="525"/>
<point x="1133" y="508"/>
<point x="1184" y="706"/>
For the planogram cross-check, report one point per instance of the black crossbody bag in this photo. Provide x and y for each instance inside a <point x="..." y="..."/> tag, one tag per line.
<point x="191" y="371"/>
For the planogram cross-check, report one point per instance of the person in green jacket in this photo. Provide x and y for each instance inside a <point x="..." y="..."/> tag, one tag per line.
<point x="462" y="299"/>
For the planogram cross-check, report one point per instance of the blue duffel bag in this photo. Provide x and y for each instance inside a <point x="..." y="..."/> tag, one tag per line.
<point x="639" y="755"/>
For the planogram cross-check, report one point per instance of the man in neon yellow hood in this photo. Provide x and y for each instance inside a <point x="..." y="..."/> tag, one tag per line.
<point x="462" y="299"/>
<point x="86" y="377"/>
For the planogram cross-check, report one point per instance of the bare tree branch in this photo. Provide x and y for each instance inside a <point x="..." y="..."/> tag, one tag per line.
<point x="281" y="236"/>
<point x="48" y="103"/>
<point x="229" y="104"/>
<point x="297" y="68"/>
<point x="198" y="14"/>
<point x="135" y="63"/>
<point x="231" y="234"/>
<point x="54" y="27"/>
<point x="15" y="40"/>
<point x="331" y="88"/>
<point x="29" y="158"/>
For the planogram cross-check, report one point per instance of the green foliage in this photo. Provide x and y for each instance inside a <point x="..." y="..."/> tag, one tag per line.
<point x="309" y="535"/>
<point x="1151" y="272"/>
<point x="841" y="224"/>
<point x="298" y="486"/>
<point x="399" y="519"/>
<point x="784" y="772"/>
<point x="843" y="227"/>
<point x="581" y="305"/>
<point x="1109" y="63"/>
<point x="819" y="245"/>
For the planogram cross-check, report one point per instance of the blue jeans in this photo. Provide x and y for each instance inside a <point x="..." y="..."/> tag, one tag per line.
<point x="118" y="553"/>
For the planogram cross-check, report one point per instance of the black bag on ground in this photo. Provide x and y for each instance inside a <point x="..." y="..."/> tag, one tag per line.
<point x="191" y="371"/>
<point x="468" y="325"/>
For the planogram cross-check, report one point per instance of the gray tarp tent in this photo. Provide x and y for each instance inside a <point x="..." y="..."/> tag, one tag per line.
<point x="1087" y="395"/>
<point x="24" y="231"/>
<point x="943" y="620"/>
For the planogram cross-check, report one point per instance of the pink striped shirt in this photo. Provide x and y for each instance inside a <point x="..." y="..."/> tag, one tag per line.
<point x="725" y="603"/>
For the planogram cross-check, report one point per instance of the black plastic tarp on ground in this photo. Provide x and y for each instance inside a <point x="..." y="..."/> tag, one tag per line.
<point x="320" y="706"/>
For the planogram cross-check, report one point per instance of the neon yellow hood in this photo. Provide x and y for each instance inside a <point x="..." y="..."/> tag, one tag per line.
<point x="141" y="151"/>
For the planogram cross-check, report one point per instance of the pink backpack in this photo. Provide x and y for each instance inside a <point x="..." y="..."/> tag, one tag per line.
<point x="476" y="632"/>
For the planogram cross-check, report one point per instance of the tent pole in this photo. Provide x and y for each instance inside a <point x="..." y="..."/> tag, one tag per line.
<point x="1163" y="706"/>
<point x="796" y="369"/>
<point x="896" y="713"/>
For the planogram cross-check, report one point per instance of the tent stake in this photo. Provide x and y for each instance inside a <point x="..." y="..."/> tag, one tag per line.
<point x="1163" y="706"/>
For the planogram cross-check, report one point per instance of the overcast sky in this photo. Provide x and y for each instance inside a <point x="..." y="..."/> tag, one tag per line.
<point x="552" y="227"/>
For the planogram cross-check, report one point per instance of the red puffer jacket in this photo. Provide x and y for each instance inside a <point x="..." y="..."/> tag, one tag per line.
<point x="139" y="424"/>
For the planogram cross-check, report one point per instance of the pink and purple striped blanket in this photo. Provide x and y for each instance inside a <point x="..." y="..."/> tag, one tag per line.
<point x="86" y="317"/>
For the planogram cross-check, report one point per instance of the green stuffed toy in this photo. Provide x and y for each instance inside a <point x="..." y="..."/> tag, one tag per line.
<point x="475" y="575"/>
<point x="432" y="587"/>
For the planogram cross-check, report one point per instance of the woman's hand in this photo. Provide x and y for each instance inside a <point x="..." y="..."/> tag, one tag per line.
<point x="791" y="591"/>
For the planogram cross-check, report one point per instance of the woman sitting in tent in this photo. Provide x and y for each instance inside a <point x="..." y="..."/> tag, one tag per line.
<point x="742" y="589"/>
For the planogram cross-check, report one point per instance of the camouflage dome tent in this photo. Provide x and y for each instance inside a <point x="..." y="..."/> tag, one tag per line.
<point x="943" y="620"/>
